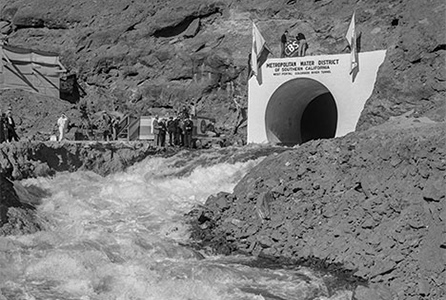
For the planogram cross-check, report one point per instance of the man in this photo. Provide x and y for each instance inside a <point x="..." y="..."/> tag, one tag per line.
<point x="62" y="123"/>
<point x="155" y="130"/>
<point x="171" y="130"/>
<point x="105" y="126"/>
<point x="193" y="108"/>
<point x="188" y="127"/>
<point x="10" y="127"/>
<point x="302" y="44"/>
<point x="2" y="127"/>
<point x="283" y="41"/>
<point x="184" y="112"/>
<point x="241" y="113"/>
<point x="115" y="127"/>
<point x="178" y="139"/>
<point x="162" y="133"/>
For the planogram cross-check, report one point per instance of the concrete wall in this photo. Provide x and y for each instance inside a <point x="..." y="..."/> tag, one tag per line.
<point x="304" y="98"/>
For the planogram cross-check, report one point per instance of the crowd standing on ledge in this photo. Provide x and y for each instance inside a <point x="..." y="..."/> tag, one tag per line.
<point x="172" y="130"/>
<point x="178" y="129"/>
<point x="7" y="127"/>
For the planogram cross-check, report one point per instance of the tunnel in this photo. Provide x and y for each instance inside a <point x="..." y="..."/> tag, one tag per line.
<point x="300" y="110"/>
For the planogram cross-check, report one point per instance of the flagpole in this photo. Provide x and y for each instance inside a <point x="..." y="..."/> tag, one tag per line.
<point x="351" y="39"/>
<point x="259" y="52"/>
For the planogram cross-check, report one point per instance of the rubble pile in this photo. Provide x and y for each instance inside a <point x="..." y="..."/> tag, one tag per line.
<point x="370" y="204"/>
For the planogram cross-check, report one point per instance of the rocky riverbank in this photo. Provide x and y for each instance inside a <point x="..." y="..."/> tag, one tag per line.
<point x="372" y="205"/>
<point x="31" y="159"/>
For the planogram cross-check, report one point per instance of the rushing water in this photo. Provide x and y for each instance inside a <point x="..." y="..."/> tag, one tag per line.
<point x="121" y="236"/>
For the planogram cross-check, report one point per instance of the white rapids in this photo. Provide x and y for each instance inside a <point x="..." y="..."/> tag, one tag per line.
<point x="122" y="237"/>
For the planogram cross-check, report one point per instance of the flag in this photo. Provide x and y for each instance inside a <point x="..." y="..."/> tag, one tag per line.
<point x="351" y="38"/>
<point x="259" y="52"/>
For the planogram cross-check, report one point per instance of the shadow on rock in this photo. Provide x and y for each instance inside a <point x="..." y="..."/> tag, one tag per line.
<point x="17" y="208"/>
<point x="30" y="195"/>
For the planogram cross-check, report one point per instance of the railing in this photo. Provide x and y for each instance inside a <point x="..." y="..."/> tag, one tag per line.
<point x="133" y="128"/>
<point x="128" y="128"/>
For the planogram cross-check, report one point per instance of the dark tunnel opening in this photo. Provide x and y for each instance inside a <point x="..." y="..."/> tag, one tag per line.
<point x="300" y="110"/>
<point x="319" y="119"/>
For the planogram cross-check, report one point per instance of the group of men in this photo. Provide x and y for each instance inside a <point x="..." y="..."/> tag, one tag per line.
<point x="178" y="129"/>
<point x="108" y="126"/>
<point x="7" y="127"/>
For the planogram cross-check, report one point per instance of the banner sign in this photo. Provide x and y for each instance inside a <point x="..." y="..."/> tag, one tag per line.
<point x="303" y="67"/>
<point x="291" y="48"/>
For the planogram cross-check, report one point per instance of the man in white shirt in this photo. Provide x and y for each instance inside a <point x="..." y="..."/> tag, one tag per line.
<point x="62" y="123"/>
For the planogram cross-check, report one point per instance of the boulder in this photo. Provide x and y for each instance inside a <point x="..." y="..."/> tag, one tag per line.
<point x="16" y="217"/>
<point x="8" y="198"/>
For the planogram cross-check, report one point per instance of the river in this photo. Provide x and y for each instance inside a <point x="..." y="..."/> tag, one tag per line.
<point x="122" y="237"/>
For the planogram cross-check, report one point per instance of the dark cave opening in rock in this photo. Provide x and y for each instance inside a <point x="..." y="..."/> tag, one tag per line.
<point x="300" y="110"/>
<point x="172" y="31"/>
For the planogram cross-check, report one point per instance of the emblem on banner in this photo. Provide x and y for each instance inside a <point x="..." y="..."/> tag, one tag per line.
<point x="291" y="47"/>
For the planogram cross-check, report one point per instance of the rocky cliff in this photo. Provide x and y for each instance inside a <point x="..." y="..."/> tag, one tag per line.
<point x="371" y="205"/>
<point x="141" y="56"/>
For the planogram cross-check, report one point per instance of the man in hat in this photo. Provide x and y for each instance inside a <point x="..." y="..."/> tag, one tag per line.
<point x="188" y="128"/>
<point x="283" y="40"/>
<point x="2" y="126"/>
<point x="302" y="44"/>
<point x="162" y="129"/>
<point x="10" y="127"/>
<point x="171" y="130"/>
<point x="155" y="130"/>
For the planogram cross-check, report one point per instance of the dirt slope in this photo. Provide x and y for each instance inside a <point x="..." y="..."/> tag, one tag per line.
<point x="372" y="205"/>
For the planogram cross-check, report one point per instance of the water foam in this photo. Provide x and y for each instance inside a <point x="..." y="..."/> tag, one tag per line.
<point x="119" y="237"/>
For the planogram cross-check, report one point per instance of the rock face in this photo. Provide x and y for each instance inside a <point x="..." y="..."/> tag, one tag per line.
<point x="136" y="56"/>
<point x="371" y="204"/>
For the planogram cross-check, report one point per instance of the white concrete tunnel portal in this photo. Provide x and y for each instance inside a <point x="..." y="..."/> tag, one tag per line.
<point x="294" y="100"/>
<point x="300" y="110"/>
